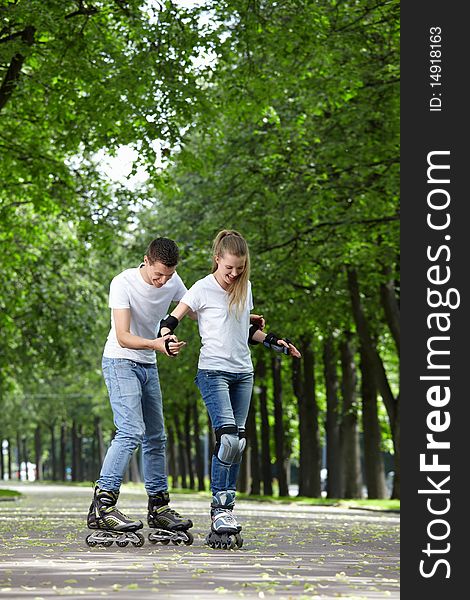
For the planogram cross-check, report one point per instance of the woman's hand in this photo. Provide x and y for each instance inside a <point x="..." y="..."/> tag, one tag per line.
<point x="292" y="349"/>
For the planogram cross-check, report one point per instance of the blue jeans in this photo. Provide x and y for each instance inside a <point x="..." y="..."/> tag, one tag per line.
<point x="227" y="397"/>
<point x="136" y="400"/>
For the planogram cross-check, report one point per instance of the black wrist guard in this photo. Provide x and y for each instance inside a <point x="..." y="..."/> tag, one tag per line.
<point x="253" y="329"/>
<point x="170" y="323"/>
<point x="270" y="341"/>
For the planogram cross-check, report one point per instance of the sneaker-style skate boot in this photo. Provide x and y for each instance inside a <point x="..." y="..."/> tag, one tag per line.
<point x="225" y="531"/>
<point x="169" y="525"/>
<point x="109" y="523"/>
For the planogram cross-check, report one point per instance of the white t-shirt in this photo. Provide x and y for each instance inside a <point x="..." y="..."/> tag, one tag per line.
<point x="224" y="335"/>
<point x="148" y="305"/>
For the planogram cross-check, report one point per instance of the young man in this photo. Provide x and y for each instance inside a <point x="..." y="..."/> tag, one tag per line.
<point x="139" y="299"/>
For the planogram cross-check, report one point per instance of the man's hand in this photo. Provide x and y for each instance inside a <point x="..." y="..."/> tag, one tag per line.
<point x="169" y="345"/>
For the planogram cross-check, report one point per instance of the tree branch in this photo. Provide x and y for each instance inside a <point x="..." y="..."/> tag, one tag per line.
<point x="82" y="10"/>
<point x="14" y="70"/>
<point x="12" y="36"/>
<point x="299" y="235"/>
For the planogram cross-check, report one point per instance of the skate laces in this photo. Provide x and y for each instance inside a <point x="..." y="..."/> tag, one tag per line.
<point x="226" y="514"/>
<point x="167" y="509"/>
<point x="116" y="511"/>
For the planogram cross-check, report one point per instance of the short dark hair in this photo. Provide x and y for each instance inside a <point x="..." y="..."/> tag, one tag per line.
<point x="163" y="250"/>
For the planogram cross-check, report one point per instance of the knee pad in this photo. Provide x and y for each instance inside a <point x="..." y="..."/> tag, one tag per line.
<point x="230" y="444"/>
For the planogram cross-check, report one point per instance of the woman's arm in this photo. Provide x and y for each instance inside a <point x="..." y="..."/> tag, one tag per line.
<point x="260" y="337"/>
<point x="178" y="313"/>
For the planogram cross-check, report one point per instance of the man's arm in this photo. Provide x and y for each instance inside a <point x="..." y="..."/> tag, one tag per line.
<point x="126" y="339"/>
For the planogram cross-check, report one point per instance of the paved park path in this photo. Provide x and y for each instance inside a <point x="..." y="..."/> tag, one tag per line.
<point x="289" y="552"/>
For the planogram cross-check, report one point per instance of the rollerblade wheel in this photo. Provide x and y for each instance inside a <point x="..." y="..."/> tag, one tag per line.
<point x="140" y="542"/>
<point x="159" y="538"/>
<point x="89" y="542"/>
<point x="106" y="543"/>
<point x="122" y="543"/>
<point x="239" y="540"/>
<point x="230" y="544"/>
<point x="190" y="539"/>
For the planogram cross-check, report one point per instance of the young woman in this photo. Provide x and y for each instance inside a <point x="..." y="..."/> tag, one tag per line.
<point x="222" y="302"/>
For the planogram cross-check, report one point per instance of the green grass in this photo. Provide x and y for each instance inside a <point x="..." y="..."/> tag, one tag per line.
<point x="365" y="504"/>
<point x="51" y="482"/>
<point x="9" y="494"/>
<point x="374" y="504"/>
<point x="383" y="504"/>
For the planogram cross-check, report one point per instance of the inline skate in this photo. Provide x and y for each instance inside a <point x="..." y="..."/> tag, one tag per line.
<point x="168" y="524"/>
<point x="109" y="523"/>
<point x="225" y="531"/>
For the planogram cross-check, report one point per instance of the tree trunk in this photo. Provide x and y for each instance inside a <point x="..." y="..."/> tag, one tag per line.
<point x="199" y="455"/>
<point x="77" y="448"/>
<point x="314" y="480"/>
<point x="334" y="484"/>
<point x="99" y="453"/>
<point x="389" y="303"/>
<point x="182" y="467"/>
<point x="26" y="458"/>
<point x="396" y="448"/>
<point x="187" y="431"/>
<point x="309" y="439"/>
<point x="373" y="461"/>
<point x="279" y="436"/>
<point x="352" y="480"/>
<point x="244" y="473"/>
<point x="18" y="452"/>
<point x="2" y="462"/>
<point x="266" y="470"/>
<point x="80" y="453"/>
<point x="253" y="446"/>
<point x="13" y="72"/>
<point x="172" y="457"/>
<point x="63" y="452"/>
<point x="74" y="451"/>
<point x="380" y="375"/>
<point x="38" y="453"/>
<point x="53" y="453"/>
<point x="9" y="457"/>
<point x="298" y="387"/>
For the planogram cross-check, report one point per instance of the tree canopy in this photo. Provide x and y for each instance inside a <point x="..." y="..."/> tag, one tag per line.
<point x="277" y="119"/>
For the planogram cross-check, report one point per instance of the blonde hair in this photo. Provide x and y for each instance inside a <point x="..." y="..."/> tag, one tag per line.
<point x="229" y="241"/>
